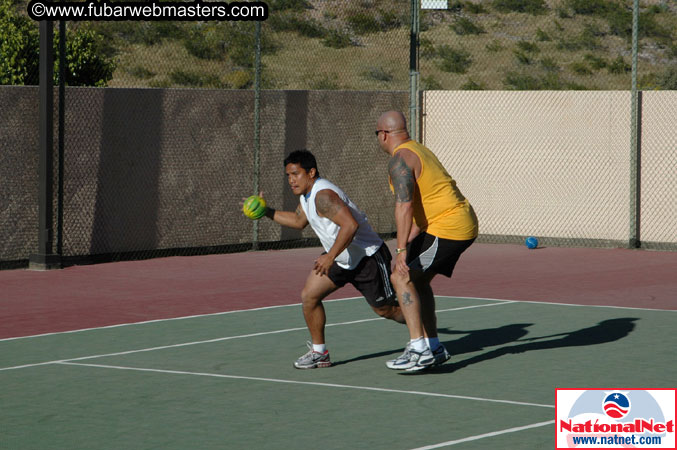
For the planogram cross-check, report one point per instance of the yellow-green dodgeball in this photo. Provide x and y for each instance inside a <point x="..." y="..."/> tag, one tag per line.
<point x="254" y="207"/>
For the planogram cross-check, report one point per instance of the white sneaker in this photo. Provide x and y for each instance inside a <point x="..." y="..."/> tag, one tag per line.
<point x="411" y="360"/>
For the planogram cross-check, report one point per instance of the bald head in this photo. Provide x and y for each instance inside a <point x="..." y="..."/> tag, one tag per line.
<point x="394" y="127"/>
<point x="392" y="121"/>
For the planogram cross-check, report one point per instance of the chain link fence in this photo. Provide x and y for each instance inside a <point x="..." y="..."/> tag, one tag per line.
<point x="168" y="125"/>
<point x="557" y="165"/>
<point x="157" y="163"/>
<point x="558" y="169"/>
<point x="18" y="173"/>
<point x="658" y="184"/>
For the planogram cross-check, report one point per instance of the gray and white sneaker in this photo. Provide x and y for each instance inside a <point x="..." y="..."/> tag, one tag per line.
<point x="411" y="360"/>
<point x="401" y="360"/>
<point x="313" y="359"/>
<point x="440" y="355"/>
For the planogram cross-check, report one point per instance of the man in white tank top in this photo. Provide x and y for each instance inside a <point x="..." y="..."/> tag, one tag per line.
<point x="354" y="253"/>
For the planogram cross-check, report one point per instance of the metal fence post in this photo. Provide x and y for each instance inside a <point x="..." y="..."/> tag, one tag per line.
<point x="44" y="259"/>
<point x="413" y="71"/>
<point x="257" y="126"/>
<point x="62" y="130"/>
<point x="635" y="213"/>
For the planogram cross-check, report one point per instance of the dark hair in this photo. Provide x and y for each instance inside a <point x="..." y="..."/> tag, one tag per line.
<point x="304" y="158"/>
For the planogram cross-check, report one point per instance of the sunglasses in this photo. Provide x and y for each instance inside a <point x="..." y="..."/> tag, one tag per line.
<point x="378" y="131"/>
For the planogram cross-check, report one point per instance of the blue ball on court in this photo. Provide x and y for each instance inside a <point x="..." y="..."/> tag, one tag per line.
<point x="531" y="242"/>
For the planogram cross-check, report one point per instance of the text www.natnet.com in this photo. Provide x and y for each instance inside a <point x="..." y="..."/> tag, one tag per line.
<point x="616" y="440"/>
<point x="105" y="10"/>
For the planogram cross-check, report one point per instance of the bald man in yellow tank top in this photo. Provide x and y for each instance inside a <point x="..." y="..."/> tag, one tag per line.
<point x="435" y="224"/>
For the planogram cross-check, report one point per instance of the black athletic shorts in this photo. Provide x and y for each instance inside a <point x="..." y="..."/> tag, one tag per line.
<point x="371" y="277"/>
<point x="429" y="253"/>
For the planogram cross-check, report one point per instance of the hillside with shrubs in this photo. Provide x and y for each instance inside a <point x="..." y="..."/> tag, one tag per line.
<point x="364" y="45"/>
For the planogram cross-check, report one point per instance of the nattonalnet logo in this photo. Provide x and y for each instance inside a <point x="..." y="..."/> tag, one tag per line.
<point x="615" y="418"/>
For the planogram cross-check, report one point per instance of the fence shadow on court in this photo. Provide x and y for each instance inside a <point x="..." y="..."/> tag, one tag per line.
<point x="604" y="332"/>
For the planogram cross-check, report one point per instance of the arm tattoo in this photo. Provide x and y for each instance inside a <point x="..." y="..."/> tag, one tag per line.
<point x="327" y="205"/>
<point x="402" y="177"/>
<point x="298" y="210"/>
<point x="406" y="298"/>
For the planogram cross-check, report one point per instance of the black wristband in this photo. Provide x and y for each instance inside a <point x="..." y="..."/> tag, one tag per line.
<point x="270" y="212"/>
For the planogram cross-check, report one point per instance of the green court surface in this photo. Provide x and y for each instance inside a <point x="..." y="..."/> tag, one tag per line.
<point x="227" y="381"/>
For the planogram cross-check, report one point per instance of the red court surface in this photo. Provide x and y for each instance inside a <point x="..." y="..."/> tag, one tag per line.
<point x="78" y="297"/>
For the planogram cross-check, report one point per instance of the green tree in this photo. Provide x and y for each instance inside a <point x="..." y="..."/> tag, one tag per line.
<point x="87" y="64"/>
<point x="19" y="46"/>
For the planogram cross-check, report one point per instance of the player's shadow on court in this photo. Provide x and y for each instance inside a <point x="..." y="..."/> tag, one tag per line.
<point x="604" y="332"/>
<point x="474" y="341"/>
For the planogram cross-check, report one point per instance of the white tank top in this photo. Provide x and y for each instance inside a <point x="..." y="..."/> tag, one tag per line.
<point x="365" y="242"/>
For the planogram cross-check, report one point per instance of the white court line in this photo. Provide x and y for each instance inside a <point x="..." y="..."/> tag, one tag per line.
<point x="227" y="338"/>
<point x="504" y="302"/>
<point x="307" y="383"/>
<point x="486" y="435"/>
<point x="333" y="300"/>
<point x="168" y="319"/>
<point x="556" y="303"/>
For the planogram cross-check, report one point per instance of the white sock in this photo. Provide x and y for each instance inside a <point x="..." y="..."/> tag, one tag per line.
<point x="320" y="348"/>
<point x="419" y="344"/>
<point x="433" y="343"/>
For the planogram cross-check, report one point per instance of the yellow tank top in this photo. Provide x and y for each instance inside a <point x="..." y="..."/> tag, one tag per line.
<point x="439" y="207"/>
